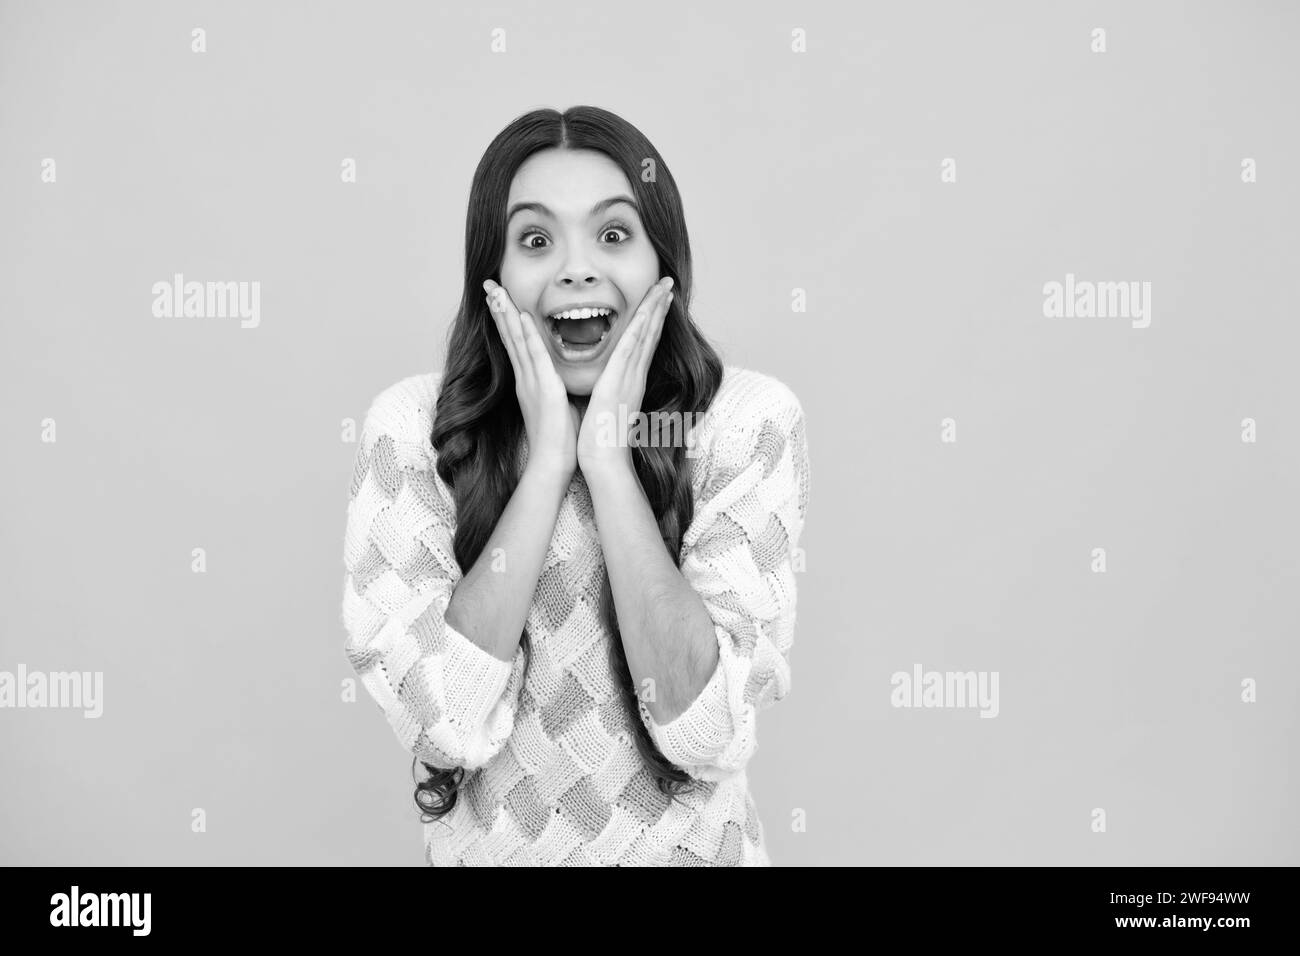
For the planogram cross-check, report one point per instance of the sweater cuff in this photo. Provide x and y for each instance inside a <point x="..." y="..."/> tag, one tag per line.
<point x="474" y="685"/>
<point x="708" y="740"/>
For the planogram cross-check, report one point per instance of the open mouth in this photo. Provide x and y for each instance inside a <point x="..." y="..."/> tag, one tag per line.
<point x="578" y="331"/>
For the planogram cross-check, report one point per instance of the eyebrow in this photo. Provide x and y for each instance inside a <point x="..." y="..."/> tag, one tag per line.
<point x="595" y="210"/>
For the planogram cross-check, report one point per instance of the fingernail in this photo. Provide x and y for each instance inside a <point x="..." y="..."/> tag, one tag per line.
<point x="668" y="283"/>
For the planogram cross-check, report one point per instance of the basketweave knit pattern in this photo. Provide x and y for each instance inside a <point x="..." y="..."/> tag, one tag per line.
<point x="553" y="776"/>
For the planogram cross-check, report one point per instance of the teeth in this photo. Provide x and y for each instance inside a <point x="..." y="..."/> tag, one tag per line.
<point x="581" y="313"/>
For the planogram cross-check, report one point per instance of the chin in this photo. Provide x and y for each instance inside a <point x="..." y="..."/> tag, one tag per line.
<point x="581" y="383"/>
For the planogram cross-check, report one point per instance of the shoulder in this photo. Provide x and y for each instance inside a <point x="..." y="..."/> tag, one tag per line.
<point x="748" y="403"/>
<point x="753" y="395"/>
<point x="403" y="412"/>
<point x="396" y="450"/>
<point x="754" y="416"/>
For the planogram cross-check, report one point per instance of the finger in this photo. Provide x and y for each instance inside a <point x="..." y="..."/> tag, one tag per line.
<point x="541" y="358"/>
<point x="631" y="337"/>
<point x="515" y="334"/>
<point x="647" y="317"/>
<point x="495" y="300"/>
<point x="518" y="321"/>
<point x="650" y="340"/>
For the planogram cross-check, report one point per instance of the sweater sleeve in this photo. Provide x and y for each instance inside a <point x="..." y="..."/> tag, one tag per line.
<point x="739" y="555"/>
<point x="451" y="703"/>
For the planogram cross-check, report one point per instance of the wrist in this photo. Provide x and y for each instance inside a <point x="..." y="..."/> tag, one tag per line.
<point x="608" y="469"/>
<point x="554" y="473"/>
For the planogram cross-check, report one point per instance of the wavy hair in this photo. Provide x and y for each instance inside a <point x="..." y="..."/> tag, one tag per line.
<point x="478" y="424"/>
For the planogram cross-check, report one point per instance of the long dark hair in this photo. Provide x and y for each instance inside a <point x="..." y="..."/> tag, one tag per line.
<point x="478" y="424"/>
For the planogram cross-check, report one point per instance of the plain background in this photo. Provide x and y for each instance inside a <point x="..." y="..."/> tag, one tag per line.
<point x="817" y="171"/>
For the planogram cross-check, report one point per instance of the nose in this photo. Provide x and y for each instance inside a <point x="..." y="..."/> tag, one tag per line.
<point x="578" y="280"/>
<point x="577" y="270"/>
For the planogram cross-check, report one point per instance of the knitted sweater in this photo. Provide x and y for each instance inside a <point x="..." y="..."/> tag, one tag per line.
<point x="553" y="776"/>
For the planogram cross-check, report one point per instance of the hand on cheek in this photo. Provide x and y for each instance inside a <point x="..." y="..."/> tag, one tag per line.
<point x="550" y="422"/>
<point x="617" y="395"/>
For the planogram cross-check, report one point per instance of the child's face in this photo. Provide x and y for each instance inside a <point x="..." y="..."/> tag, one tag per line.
<point x="572" y="256"/>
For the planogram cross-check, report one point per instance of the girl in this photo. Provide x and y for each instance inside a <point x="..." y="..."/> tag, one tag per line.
<point x="570" y="619"/>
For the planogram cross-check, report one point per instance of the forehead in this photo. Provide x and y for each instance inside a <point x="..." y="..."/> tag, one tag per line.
<point x="569" y="181"/>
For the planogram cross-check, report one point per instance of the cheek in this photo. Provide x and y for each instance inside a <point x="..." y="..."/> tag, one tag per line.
<point x="519" y="285"/>
<point x="647" y="272"/>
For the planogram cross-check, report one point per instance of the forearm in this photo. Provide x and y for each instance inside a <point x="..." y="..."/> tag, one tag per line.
<point x="667" y="633"/>
<point x="490" y="603"/>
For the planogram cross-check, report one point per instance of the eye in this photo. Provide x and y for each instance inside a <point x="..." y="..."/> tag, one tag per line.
<point x="531" y="232"/>
<point x="613" y="227"/>
<point x="617" y="227"/>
